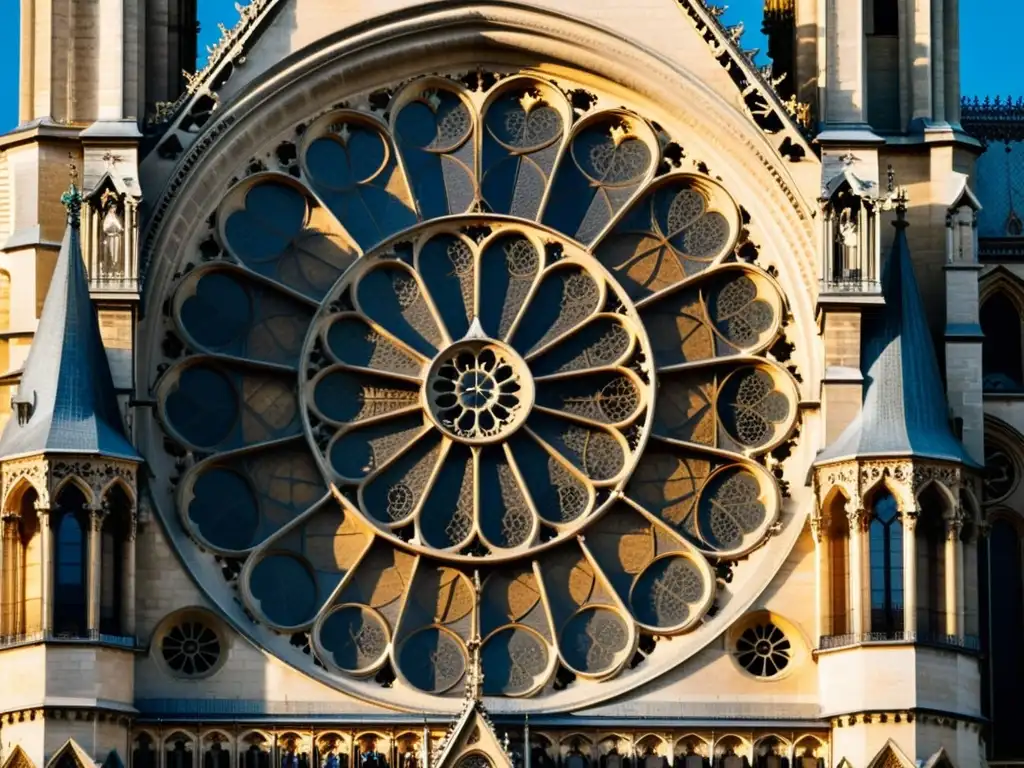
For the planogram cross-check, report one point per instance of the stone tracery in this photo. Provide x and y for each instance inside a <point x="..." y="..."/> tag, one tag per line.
<point x="515" y="334"/>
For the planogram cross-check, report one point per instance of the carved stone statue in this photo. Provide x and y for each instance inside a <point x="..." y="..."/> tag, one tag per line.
<point x="111" y="263"/>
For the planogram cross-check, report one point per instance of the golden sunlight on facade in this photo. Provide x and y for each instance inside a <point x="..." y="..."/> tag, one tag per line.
<point x="509" y="385"/>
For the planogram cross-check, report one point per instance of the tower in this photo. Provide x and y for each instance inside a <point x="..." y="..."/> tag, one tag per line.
<point x="69" y="505"/>
<point x="895" y="535"/>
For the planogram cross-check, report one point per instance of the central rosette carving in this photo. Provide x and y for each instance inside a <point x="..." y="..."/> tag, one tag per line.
<point x="479" y="388"/>
<point x="478" y="391"/>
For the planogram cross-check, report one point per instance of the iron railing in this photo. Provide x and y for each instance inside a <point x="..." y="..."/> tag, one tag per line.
<point x="49" y="636"/>
<point x="965" y="642"/>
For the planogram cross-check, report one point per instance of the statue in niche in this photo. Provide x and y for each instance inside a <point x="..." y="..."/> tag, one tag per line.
<point x="409" y="757"/>
<point x="289" y="756"/>
<point x="846" y="264"/>
<point x="111" y="262"/>
<point x="575" y="758"/>
<point x="216" y="756"/>
<point x="369" y="757"/>
<point x="540" y="757"/>
<point x="652" y="759"/>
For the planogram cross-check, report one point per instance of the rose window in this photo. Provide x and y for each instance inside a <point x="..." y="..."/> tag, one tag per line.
<point x="484" y="371"/>
<point x="763" y="650"/>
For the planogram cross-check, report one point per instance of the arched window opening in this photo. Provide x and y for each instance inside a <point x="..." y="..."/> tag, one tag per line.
<point x="1006" y="615"/>
<point x="930" y="538"/>
<point x="370" y="755"/>
<point x="838" y="541"/>
<point x="330" y="752"/>
<point x="112" y="561"/>
<point x="179" y="751"/>
<point x="143" y="752"/>
<point x="691" y="753"/>
<point x="216" y="754"/>
<point x="20" y="584"/>
<point x="256" y="754"/>
<point x="885" y="535"/>
<point x="292" y="755"/>
<point x="70" y="587"/>
<point x="1001" y="348"/>
<point x="771" y="753"/>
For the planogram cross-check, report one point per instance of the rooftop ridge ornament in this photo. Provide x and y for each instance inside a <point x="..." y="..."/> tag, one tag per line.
<point x="72" y="197"/>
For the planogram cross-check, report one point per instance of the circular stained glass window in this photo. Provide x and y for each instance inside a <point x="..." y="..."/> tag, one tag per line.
<point x="191" y="648"/>
<point x="485" y="373"/>
<point x="763" y="650"/>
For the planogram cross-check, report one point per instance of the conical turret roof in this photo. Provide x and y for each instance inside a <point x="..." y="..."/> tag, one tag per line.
<point x="66" y="391"/>
<point x="904" y="410"/>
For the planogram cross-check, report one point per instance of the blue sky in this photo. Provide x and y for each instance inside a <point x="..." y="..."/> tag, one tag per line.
<point x="990" y="57"/>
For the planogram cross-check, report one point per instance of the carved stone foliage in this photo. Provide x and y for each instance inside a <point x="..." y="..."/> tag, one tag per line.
<point x="492" y="329"/>
<point x="904" y="479"/>
<point x="47" y="474"/>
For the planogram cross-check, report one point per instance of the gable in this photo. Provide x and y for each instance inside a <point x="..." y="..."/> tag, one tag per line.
<point x="476" y="745"/>
<point x="71" y="755"/>
<point x="18" y="759"/>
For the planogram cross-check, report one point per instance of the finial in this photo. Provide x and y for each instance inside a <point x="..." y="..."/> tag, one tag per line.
<point x="72" y="198"/>
<point x="891" y="180"/>
<point x="475" y="686"/>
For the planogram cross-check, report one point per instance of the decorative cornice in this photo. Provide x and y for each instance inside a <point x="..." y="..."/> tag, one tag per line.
<point x="993" y="120"/>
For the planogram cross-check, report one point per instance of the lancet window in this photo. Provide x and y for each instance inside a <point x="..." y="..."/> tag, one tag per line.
<point x="70" y="591"/>
<point x="21" y="585"/>
<point x="1001" y="353"/>
<point x="885" y="536"/>
<point x="144" y="752"/>
<point x="179" y="751"/>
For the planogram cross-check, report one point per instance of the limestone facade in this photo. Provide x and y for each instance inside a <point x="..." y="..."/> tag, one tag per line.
<point x="774" y="520"/>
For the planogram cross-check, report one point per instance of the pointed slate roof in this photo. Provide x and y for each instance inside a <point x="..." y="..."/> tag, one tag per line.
<point x="904" y="410"/>
<point x="66" y="386"/>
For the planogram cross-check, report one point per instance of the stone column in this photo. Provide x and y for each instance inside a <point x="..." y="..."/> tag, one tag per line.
<point x="954" y="573"/>
<point x="860" y="579"/>
<point x="846" y="92"/>
<point x="920" y="50"/>
<point x="528" y="747"/>
<point x="822" y="578"/>
<point x="909" y="519"/>
<point x="46" y="567"/>
<point x="938" y="60"/>
<point x="7" y="576"/>
<point x="95" y="580"/>
<point x="951" y="34"/>
<point x="128" y="579"/>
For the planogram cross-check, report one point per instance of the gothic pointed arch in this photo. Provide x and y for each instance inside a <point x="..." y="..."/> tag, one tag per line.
<point x="70" y="755"/>
<point x="891" y="756"/>
<point x="18" y="759"/>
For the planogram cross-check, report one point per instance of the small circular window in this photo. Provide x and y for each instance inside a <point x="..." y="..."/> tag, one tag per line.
<point x="191" y="647"/>
<point x="763" y="649"/>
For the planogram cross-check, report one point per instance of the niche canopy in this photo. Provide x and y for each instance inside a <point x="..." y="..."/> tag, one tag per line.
<point x="487" y="369"/>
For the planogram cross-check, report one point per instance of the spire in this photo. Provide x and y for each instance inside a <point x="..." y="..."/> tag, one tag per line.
<point x="65" y="401"/>
<point x="904" y="412"/>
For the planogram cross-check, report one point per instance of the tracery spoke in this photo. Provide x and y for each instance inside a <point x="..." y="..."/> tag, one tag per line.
<point x="390" y="294"/>
<point x="312" y="557"/>
<point x="598" y="452"/>
<point x="564" y="297"/>
<point x="605" y="339"/>
<point x="354" y="340"/>
<point x="393" y="495"/>
<point x="356" y="452"/>
<point x="446" y="520"/>
<point x="612" y="397"/>
<point x="504" y="511"/>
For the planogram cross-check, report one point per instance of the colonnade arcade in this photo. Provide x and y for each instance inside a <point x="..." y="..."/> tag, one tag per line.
<point x="68" y="554"/>
<point x="896" y="545"/>
<point x="172" y="747"/>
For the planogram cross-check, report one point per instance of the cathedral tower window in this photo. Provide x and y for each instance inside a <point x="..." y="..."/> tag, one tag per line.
<point x="144" y="752"/>
<point x="255" y="752"/>
<point x="217" y="753"/>
<point x="838" y="542"/>
<point x="113" y="547"/>
<point x="70" y="587"/>
<point x="886" y="17"/>
<point x="179" y="751"/>
<point x="21" y="582"/>
<point x="885" y="536"/>
<point x="931" y="566"/>
<point x="1002" y="348"/>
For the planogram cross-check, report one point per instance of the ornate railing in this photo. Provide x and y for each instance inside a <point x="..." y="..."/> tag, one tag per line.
<point x="965" y="642"/>
<point x="49" y="636"/>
